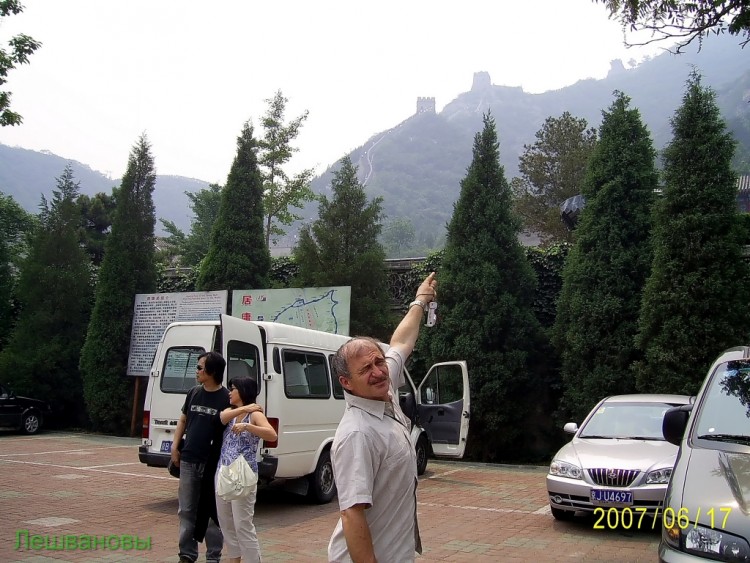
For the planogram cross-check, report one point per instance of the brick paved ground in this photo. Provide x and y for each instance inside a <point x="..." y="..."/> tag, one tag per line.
<point x="61" y="483"/>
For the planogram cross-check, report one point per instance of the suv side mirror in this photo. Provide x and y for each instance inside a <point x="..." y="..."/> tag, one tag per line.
<point x="674" y="423"/>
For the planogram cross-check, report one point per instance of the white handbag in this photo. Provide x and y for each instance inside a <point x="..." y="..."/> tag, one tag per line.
<point x="236" y="480"/>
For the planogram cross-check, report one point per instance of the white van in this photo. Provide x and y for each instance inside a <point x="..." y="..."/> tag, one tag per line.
<point x="300" y="398"/>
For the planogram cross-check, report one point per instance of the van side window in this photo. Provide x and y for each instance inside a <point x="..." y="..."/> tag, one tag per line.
<point x="178" y="371"/>
<point x="445" y="385"/>
<point x="243" y="361"/>
<point x="305" y="375"/>
<point x="338" y="390"/>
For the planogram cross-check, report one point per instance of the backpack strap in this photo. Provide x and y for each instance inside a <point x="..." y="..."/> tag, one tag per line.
<point x="191" y="396"/>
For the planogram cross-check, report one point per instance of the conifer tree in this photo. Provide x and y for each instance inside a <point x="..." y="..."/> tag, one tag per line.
<point x="606" y="269"/>
<point x="7" y="292"/>
<point x="486" y="294"/>
<point x="97" y="212"/>
<point x="695" y="301"/>
<point x="16" y="225"/>
<point x="128" y="268"/>
<point x="55" y="294"/>
<point x="341" y="248"/>
<point x="238" y="257"/>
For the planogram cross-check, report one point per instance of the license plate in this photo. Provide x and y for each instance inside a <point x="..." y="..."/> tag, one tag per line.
<point x="609" y="496"/>
<point x="166" y="446"/>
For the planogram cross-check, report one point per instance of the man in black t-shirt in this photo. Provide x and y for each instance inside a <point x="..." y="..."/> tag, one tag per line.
<point x="198" y="456"/>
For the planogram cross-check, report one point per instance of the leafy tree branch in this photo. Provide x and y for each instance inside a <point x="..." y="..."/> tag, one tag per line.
<point x="20" y="48"/>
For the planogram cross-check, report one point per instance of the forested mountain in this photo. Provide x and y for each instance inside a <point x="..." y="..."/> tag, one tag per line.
<point x="416" y="165"/>
<point x="27" y="175"/>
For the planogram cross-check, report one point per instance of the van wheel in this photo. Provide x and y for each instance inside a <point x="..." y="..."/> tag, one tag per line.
<point x="421" y="450"/>
<point x="322" y="487"/>
<point x="31" y="423"/>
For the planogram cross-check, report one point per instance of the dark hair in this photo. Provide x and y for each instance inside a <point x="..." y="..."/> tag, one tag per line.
<point x="214" y="365"/>
<point x="246" y="387"/>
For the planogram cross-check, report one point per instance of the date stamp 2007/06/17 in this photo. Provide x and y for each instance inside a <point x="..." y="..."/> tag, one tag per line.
<point x="627" y="518"/>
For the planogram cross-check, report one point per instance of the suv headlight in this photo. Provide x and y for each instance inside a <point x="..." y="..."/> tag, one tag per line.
<point x="565" y="469"/>
<point x="659" y="477"/>
<point x="729" y="547"/>
<point x="704" y="541"/>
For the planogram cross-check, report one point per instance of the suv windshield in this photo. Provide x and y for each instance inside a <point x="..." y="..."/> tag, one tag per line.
<point x="725" y="413"/>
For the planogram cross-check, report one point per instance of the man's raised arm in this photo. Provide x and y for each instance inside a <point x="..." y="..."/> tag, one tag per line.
<point x="405" y="336"/>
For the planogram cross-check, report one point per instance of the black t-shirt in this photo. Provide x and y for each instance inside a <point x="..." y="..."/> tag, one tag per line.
<point x="204" y="429"/>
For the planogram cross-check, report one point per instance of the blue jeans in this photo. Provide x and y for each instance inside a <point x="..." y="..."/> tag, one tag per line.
<point x="188" y="494"/>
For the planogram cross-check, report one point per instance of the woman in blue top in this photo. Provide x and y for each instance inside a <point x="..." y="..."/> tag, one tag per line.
<point x="246" y="425"/>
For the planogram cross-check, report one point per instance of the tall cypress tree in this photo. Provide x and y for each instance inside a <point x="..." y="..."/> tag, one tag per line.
<point x="694" y="303"/>
<point x="238" y="257"/>
<point x="341" y="248"/>
<point x="7" y="292"/>
<point x="55" y="292"/>
<point x="128" y="268"/>
<point x="606" y="269"/>
<point x="97" y="212"/>
<point x="15" y="227"/>
<point x="486" y="294"/>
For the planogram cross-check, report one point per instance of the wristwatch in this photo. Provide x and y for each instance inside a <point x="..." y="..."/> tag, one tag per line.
<point x="420" y="303"/>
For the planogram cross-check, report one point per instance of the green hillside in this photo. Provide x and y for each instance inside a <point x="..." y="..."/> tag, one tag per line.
<point x="27" y="175"/>
<point x="417" y="165"/>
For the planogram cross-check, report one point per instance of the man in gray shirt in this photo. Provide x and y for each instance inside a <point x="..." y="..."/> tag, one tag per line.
<point x="374" y="462"/>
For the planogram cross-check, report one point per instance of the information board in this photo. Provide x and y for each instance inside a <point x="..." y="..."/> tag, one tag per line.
<point x="319" y="308"/>
<point x="153" y="312"/>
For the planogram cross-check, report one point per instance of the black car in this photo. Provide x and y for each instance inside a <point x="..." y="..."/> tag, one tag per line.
<point x="21" y="413"/>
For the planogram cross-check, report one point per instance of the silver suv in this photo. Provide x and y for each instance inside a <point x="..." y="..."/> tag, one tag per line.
<point x="707" y="508"/>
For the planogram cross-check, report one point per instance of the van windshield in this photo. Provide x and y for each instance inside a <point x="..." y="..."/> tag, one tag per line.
<point x="725" y="412"/>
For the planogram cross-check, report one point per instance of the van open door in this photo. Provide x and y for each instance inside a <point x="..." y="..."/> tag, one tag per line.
<point x="443" y="406"/>
<point x="242" y="347"/>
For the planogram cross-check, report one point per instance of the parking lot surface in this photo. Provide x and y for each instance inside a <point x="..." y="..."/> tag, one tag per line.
<point x="57" y="485"/>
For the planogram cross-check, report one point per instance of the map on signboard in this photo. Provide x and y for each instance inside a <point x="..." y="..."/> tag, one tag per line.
<point x="319" y="308"/>
<point x="153" y="312"/>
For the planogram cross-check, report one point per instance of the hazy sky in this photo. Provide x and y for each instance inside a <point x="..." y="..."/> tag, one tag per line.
<point x="190" y="73"/>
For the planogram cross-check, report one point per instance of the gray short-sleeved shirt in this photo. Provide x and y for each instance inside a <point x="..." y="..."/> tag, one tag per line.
<point x="374" y="464"/>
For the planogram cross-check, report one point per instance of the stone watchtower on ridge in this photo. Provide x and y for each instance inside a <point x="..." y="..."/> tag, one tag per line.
<point x="425" y="105"/>
<point x="481" y="81"/>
